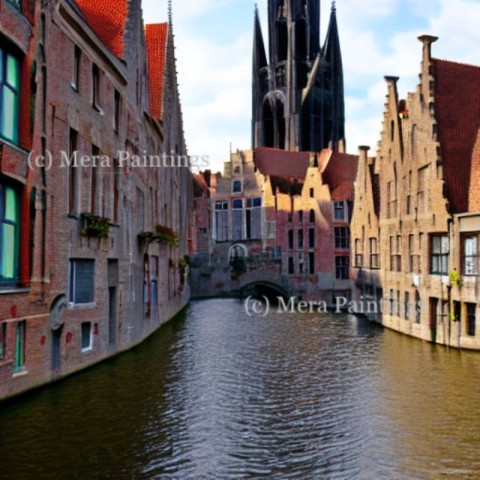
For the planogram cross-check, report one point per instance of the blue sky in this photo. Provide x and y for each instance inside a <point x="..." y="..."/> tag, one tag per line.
<point x="378" y="37"/>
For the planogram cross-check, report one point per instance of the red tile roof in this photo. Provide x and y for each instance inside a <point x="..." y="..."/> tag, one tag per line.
<point x="271" y="161"/>
<point x="107" y="19"/>
<point x="457" y="111"/>
<point x="156" y="38"/>
<point x="200" y="186"/>
<point x="287" y="185"/>
<point x="340" y="173"/>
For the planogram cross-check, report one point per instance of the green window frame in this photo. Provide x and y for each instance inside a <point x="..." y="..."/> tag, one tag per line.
<point x="15" y="3"/>
<point x="9" y="234"/>
<point x="9" y="95"/>
<point x="20" y="333"/>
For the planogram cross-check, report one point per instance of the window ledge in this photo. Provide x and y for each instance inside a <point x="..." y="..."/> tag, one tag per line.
<point x="20" y="373"/>
<point x="79" y="307"/>
<point x="13" y="290"/>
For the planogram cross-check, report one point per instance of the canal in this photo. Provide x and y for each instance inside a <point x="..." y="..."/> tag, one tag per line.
<point x="216" y="394"/>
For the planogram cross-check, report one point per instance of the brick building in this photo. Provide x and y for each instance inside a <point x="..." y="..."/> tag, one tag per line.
<point x="416" y="218"/>
<point x="285" y="214"/>
<point x="91" y="239"/>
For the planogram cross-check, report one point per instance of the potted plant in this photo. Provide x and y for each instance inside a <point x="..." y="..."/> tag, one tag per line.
<point x="94" y="226"/>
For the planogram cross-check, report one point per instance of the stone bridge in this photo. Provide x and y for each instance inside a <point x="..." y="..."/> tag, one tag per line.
<point x="208" y="281"/>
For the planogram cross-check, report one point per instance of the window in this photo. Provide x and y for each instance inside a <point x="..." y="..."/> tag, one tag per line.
<point x="470" y="255"/>
<point x="422" y="186"/>
<point x="339" y="211"/>
<point x="116" y="189"/>
<point x="300" y="216"/>
<point x="311" y="263"/>
<point x="20" y="331"/>
<point x="312" y="193"/>
<point x="86" y="336"/>
<point x="411" y="249"/>
<point x="9" y="235"/>
<point x="396" y="253"/>
<point x="471" y="322"/>
<point x="290" y="240"/>
<point x="311" y="239"/>
<point x="3" y="340"/>
<point x="15" y="3"/>
<point x="237" y="219"/>
<point x="9" y="96"/>
<point x="94" y="184"/>
<point x="391" y="200"/>
<point x="291" y="266"/>
<point x="72" y="173"/>
<point x="391" y="303"/>
<point x="82" y="281"/>
<point x="253" y="215"/>
<point x="237" y="186"/>
<point x="116" y="111"/>
<point x="76" y="69"/>
<point x="95" y="87"/>
<point x="440" y="252"/>
<point x="312" y="216"/>
<point x="300" y="239"/>
<point x="407" y="306"/>
<point x="221" y="221"/>
<point x="418" y="308"/>
<point x="358" y="253"/>
<point x="341" y="267"/>
<point x="342" y="238"/>
<point x="374" y="256"/>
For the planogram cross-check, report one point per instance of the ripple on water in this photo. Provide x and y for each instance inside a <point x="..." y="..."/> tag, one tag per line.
<point x="218" y="395"/>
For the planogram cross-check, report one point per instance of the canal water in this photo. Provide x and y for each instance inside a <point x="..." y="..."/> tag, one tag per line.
<point x="216" y="394"/>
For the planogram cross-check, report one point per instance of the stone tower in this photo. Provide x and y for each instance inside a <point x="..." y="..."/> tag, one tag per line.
<point x="298" y="96"/>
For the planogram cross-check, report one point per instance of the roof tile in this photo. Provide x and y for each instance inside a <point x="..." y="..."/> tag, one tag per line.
<point x="457" y="111"/>
<point x="156" y="38"/>
<point x="107" y="19"/>
<point x="340" y="173"/>
<point x="283" y="163"/>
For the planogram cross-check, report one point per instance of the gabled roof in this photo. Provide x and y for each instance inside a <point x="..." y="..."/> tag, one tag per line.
<point x="275" y="162"/>
<point x="457" y="111"/>
<point x="107" y="18"/>
<point x="339" y="173"/>
<point x="156" y="38"/>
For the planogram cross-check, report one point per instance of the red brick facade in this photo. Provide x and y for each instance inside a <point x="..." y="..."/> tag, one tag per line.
<point x="86" y="283"/>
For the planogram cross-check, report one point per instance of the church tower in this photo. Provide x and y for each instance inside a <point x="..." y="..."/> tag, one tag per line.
<point x="297" y="95"/>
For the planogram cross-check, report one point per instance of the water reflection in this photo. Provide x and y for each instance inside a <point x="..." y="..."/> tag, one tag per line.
<point x="216" y="394"/>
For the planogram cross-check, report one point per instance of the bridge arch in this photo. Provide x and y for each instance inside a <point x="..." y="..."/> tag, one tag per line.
<point x="261" y="288"/>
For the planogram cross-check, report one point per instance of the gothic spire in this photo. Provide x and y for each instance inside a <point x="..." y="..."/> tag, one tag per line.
<point x="259" y="55"/>
<point x="331" y="50"/>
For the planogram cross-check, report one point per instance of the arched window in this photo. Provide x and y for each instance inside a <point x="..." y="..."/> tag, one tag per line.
<point x="301" y="47"/>
<point x="282" y="40"/>
<point x="268" y="127"/>
<point x="280" y="117"/>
